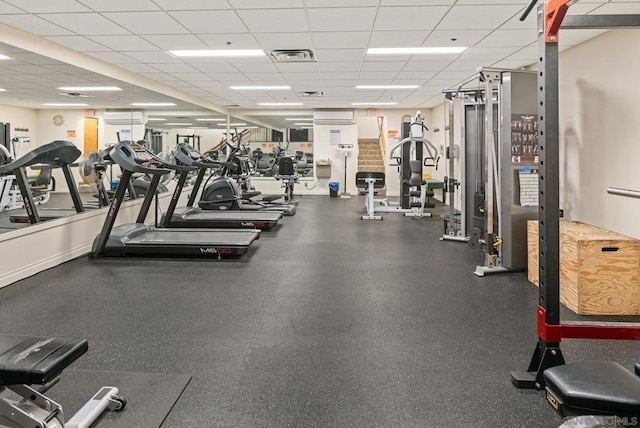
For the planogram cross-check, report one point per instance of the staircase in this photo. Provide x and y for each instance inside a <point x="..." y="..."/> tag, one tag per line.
<point x="370" y="155"/>
<point x="370" y="158"/>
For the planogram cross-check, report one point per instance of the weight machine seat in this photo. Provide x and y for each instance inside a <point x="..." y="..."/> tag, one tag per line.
<point x="29" y="360"/>
<point x="362" y="176"/>
<point x="593" y="387"/>
<point x="247" y="194"/>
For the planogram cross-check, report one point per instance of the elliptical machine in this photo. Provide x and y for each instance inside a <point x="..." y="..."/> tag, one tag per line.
<point x="224" y="193"/>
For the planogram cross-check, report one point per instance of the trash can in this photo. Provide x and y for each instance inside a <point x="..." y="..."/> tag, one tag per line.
<point x="334" y="188"/>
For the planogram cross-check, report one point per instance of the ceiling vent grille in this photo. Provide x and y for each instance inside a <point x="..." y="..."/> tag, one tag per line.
<point x="74" y="95"/>
<point x="292" y="55"/>
<point x="310" y="93"/>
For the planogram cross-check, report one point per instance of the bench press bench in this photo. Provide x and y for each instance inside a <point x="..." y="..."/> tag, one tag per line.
<point x="27" y="361"/>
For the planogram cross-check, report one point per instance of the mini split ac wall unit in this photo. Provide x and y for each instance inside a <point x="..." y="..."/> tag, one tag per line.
<point x="334" y="117"/>
<point x="125" y="117"/>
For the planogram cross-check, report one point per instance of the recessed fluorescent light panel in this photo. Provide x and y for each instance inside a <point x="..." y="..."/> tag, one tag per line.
<point x="387" y="86"/>
<point x="156" y="119"/>
<point x="65" y="104"/>
<point x="89" y="88"/>
<point x="3" y="90"/>
<point x="179" y="124"/>
<point x="225" y="53"/>
<point x="301" y="124"/>
<point x="260" y="88"/>
<point x="299" y="118"/>
<point x="280" y="104"/>
<point x="232" y="124"/>
<point x="5" y="57"/>
<point x="416" y="51"/>
<point x="210" y="119"/>
<point x="152" y="104"/>
<point x="374" y="104"/>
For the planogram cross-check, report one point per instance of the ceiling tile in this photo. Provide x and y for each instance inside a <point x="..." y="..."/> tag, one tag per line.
<point x="302" y="76"/>
<point x="517" y="38"/>
<point x="262" y="21"/>
<point x="397" y="39"/>
<point x="229" y="41"/>
<point x="124" y="43"/>
<point x="39" y="6"/>
<point x="263" y="77"/>
<point x="383" y="66"/>
<point x="138" y="68"/>
<point x="337" y="19"/>
<point x="152" y="57"/>
<point x="7" y="8"/>
<point x="261" y="4"/>
<point x="477" y="17"/>
<point x="617" y="8"/>
<point x="154" y="22"/>
<point x="339" y="75"/>
<point x="191" y="77"/>
<point x="341" y="66"/>
<point x="85" y="23"/>
<point x="575" y="37"/>
<point x="78" y="43"/>
<point x="528" y="53"/>
<point x="340" y="39"/>
<point x="378" y="75"/>
<point x="409" y="18"/>
<point x="415" y="2"/>
<point x="270" y="41"/>
<point x="256" y="67"/>
<point x="173" y="68"/>
<point x="120" y="5"/>
<point x="34" y="25"/>
<point x="340" y="3"/>
<point x="340" y="54"/>
<point x="298" y="67"/>
<point x="465" y="38"/>
<point x="488" y="53"/>
<point x="416" y="76"/>
<point x="112" y="57"/>
<point x="160" y="77"/>
<point x="213" y="67"/>
<point x="176" y="41"/>
<point x="192" y="4"/>
<point x="210" y="21"/>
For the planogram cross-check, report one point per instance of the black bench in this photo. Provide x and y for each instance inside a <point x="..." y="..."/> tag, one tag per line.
<point x="593" y="388"/>
<point x="26" y="361"/>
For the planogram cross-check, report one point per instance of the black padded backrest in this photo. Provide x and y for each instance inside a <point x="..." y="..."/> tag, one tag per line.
<point x="415" y="166"/>
<point x="363" y="175"/>
<point x="285" y="167"/>
<point x="27" y="360"/>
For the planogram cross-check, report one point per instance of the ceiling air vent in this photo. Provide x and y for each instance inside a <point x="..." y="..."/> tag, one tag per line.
<point x="292" y="55"/>
<point x="310" y="93"/>
<point x="231" y="106"/>
<point x="74" y="95"/>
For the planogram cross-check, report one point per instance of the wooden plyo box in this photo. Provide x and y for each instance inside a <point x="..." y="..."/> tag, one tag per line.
<point x="599" y="269"/>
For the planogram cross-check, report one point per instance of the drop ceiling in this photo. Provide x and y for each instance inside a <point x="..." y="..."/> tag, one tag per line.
<point x="135" y="35"/>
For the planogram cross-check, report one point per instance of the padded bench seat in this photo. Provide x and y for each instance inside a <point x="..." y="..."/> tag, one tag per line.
<point x="594" y="388"/>
<point x="27" y="360"/>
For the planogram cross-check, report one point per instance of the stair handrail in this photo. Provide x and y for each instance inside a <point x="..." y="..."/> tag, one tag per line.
<point x="381" y="140"/>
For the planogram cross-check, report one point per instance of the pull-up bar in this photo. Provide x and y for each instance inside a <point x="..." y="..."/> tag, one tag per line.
<point x="623" y="192"/>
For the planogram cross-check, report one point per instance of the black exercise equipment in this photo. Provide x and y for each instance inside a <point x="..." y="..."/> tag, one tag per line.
<point x="370" y="180"/>
<point x="190" y="216"/>
<point x="27" y="361"/>
<point x="139" y="238"/>
<point x="57" y="154"/>
<point x="612" y="389"/>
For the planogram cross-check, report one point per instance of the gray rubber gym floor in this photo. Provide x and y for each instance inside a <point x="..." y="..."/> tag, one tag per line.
<point x="328" y="322"/>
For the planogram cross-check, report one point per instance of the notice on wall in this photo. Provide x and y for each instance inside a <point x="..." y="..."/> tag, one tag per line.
<point x="71" y="133"/>
<point x="334" y="137"/>
<point x="524" y="139"/>
<point x="529" y="195"/>
<point x="392" y="133"/>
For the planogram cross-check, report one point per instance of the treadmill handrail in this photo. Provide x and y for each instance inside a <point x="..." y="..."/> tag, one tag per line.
<point x="183" y="153"/>
<point x="56" y="154"/>
<point x="124" y="156"/>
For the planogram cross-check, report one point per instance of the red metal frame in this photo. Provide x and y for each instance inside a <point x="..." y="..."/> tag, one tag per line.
<point x="554" y="12"/>
<point x="554" y="333"/>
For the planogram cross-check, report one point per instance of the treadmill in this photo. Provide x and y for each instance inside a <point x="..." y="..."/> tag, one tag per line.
<point x="57" y="154"/>
<point x="141" y="239"/>
<point x="190" y="216"/>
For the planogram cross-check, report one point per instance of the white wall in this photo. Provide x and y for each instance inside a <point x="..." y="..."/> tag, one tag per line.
<point x="19" y="117"/>
<point x="599" y="131"/>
